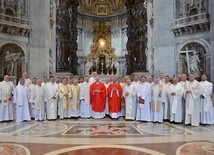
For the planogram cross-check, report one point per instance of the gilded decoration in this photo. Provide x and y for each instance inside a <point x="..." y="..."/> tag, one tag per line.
<point x="102" y="55"/>
<point x="102" y="7"/>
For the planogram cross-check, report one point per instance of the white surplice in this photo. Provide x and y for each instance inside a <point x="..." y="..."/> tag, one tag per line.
<point x="192" y="106"/>
<point x="130" y="102"/>
<point x="6" y="107"/>
<point x="31" y="106"/>
<point x="38" y="97"/>
<point x="74" y="106"/>
<point x="207" y="110"/>
<point x="185" y="85"/>
<point x="85" y="106"/>
<point x="144" y="110"/>
<point x="64" y="101"/>
<point x="21" y="100"/>
<point x="176" y="103"/>
<point x="166" y="104"/>
<point x="51" y="105"/>
<point x="158" y="98"/>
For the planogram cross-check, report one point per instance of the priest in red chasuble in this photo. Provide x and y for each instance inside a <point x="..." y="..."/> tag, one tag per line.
<point x="98" y="98"/>
<point x="114" y="98"/>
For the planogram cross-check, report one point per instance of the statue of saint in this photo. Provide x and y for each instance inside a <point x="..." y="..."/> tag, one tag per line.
<point x="194" y="63"/>
<point x="10" y="61"/>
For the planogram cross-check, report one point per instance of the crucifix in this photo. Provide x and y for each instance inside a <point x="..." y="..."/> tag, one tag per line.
<point x="187" y="51"/>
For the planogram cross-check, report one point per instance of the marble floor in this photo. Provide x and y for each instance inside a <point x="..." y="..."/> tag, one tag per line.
<point x="104" y="137"/>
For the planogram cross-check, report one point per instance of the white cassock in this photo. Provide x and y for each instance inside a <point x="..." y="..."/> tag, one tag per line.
<point x="157" y="99"/>
<point x="107" y="107"/>
<point x="38" y="97"/>
<point x="85" y="106"/>
<point x="6" y="107"/>
<point x="58" y="106"/>
<point x="207" y="110"/>
<point x="64" y="100"/>
<point x="185" y="85"/>
<point x="74" y="106"/>
<point x="21" y="100"/>
<point x="144" y="110"/>
<point x="136" y="86"/>
<point x="44" y="84"/>
<point x="166" y="104"/>
<point x="192" y="106"/>
<point x="31" y="106"/>
<point x="130" y="102"/>
<point x="176" y="103"/>
<point x="51" y="105"/>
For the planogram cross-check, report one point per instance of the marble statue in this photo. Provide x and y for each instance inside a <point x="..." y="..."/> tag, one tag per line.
<point x="194" y="63"/>
<point x="10" y="61"/>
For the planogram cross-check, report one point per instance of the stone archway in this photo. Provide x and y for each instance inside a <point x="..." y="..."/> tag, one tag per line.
<point x="193" y="57"/>
<point x="12" y="59"/>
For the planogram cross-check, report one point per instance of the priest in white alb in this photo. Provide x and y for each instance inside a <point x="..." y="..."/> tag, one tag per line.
<point x="52" y="98"/>
<point x="38" y="98"/>
<point x="26" y="78"/>
<point x="31" y="87"/>
<point x="130" y="101"/>
<point x="74" y="106"/>
<point x="21" y="100"/>
<point x="166" y="106"/>
<point x="176" y="93"/>
<point x="64" y="99"/>
<point x="185" y="84"/>
<point x="144" y="99"/>
<point x="207" y="110"/>
<point x="192" y="106"/>
<point x="157" y="100"/>
<point x="85" y="105"/>
<point x="6" y="105"/>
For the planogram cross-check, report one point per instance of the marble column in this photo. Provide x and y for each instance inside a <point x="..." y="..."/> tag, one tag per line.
<point x="211" y="6"/>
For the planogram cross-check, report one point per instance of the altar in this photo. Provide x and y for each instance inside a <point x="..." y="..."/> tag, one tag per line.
<point x="102" y="58"/>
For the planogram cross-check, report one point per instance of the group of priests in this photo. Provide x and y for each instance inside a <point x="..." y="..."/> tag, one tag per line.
<point x="178" y="99"/>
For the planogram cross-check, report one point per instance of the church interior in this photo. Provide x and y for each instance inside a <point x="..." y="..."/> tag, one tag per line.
<point x="75" y="38"/>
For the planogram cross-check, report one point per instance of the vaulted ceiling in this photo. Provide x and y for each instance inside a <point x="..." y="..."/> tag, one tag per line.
<point x="102" y="7"/>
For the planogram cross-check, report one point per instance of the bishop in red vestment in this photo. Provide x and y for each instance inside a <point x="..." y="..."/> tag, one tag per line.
<point x="98" y="98"/>
<point x="114" y="98"/>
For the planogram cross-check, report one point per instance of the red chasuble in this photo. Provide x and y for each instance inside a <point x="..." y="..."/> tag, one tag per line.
<point x="98" y="99"/>
<point x="114" y="97"/>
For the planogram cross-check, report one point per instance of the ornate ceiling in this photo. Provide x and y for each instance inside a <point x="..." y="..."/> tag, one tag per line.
<point x="102" y="7"/>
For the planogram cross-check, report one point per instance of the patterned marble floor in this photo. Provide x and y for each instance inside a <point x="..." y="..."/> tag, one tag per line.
<point x="106" y="137"/>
